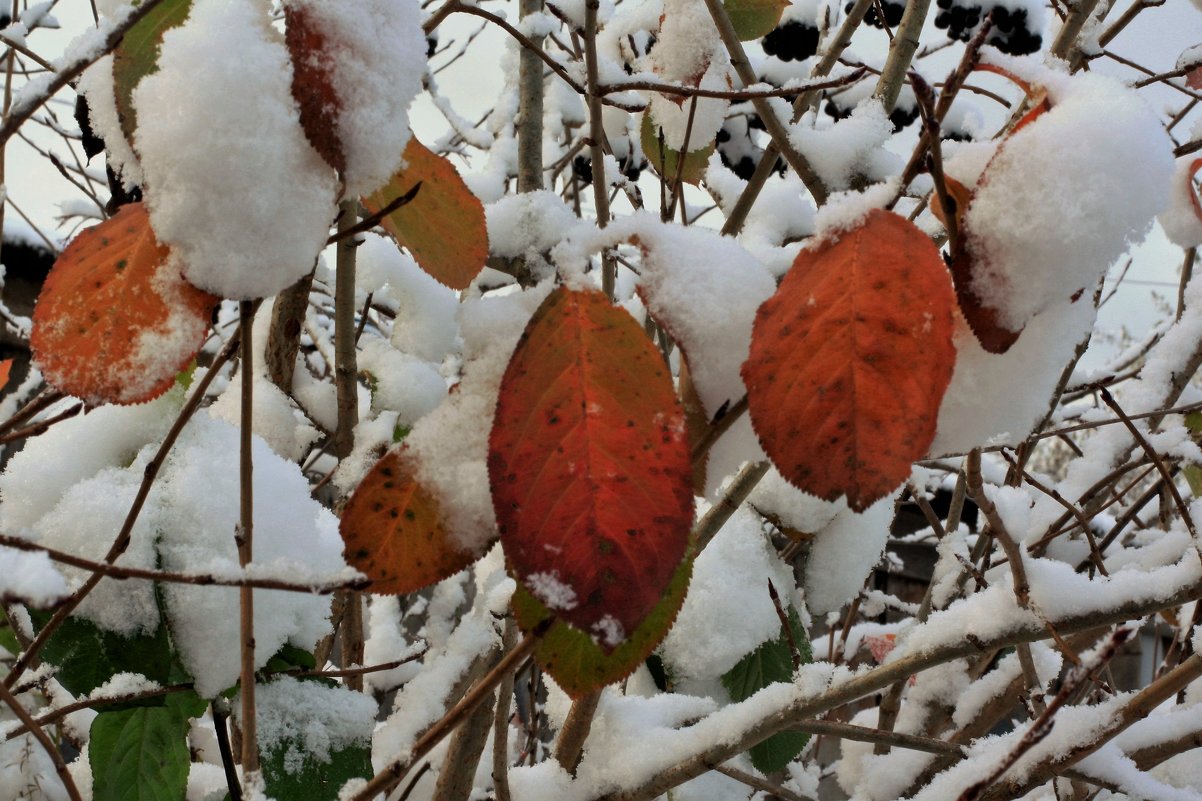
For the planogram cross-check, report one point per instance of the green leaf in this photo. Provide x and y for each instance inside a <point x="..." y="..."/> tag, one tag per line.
<point x="138" y="56"/>
<point x="578" y="664"/>
<point x="139" y="754"/>
<point x="770" y="663"/>
<point x="290" y="657"/>
<point x="9" y="641"/>
<point x="753" y="19"/>
<point x="315" y="780"/>
<point x="88" y="656"/>
<point x="695" y="161"/>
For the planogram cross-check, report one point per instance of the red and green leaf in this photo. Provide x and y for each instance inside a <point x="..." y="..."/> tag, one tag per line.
<point x="115" y="321"/>
<point x="580" y="666"/>
<point x="589" y="466"/>
<point x="393" y="530"/>
<point x="137" y="55"/>
<point x="850" y="359"/>
<point x="443" y="226"/>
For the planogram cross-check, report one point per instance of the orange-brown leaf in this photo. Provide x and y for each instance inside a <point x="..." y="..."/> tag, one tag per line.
<point x="312" y="84"/>
<point x="850" y="358"/>
<point x="1194" y="167"/>
<point x="6" y="367"/>
<point x="443" y="226"/>
<point x="393" y="531"/>
<point x="589" y="466"/>
<point x="116" y="321"/>
<point x="1037" y="96"/>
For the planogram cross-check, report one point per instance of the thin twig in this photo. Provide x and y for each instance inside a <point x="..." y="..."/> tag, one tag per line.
<point x="244" y="538"/>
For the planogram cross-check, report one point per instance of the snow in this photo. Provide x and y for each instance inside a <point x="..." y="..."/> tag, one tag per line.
<point x="386" y="642"/>
<point x="1182" y="220"/>
<point x="688" y="51"/>
<point x="450" y="444"/>
<point x="850" y="147"/>
<point x="30" y="577"/>
<point x="375" y="54"/>
<point x="844" y="552"/>
<point x="1042" y="226"/>
<point x="401" y="383"/>
<point x="551" y="590"/>
<point x="705" y="289"/>
<point x="309" y="720"/>
<point x="96" y="84"/>
<point x="728" y="612"/>
<point x="211" y="129"/>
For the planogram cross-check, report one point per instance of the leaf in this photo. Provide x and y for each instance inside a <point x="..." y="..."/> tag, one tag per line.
<point x="770" y="663"/>
<point x="589" y="466"/>
<point x="6" y="367"/>
<point x="139" y="754"/>
<point x="115" y="321"/>
<point x="393" y="530"/>
<point x="1190" y="173"/>
<point x="137" y="55"/>
<point x="850" y="359"/>
<point x="753" y="19"/>
<point x="695" y="161"/>
<point x="443" y="227"/>
<point x="1037" y="96"/>
<point x="87" y="656"/>
<point x="312" y="87"/>
<point x="315" y="780"/>
<point x="571" y="657"/>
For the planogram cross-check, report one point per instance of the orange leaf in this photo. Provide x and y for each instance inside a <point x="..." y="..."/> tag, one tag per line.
<point x="443" y="226"/>
<point x="849" y="361"/>
<point x="589" y="466"/>
<point x="312" y="87"/>
<point x="393" y="531"/>
<point x="115" y="321"/>
<point x="1194" y="166"/>
<point x="1037" y="96"/>
<point x="6" y="367"/>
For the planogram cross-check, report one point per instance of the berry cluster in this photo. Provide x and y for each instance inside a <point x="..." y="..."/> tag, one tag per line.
<point x="1014" y="30"/>
<point x="582" y="168"/>
<point x="736" y="148"/>
<point x="795" y="40"/>
<point x="893" y="13"/>
<point x="903" y="113"/>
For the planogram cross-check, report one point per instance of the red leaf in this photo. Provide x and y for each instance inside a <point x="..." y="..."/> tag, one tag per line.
<point x="393" y="530"/>
<point x="114" y="322"/>
<point x="849" y="361"/>
<point x="443" y="226"/>
<point x="589" y="466"/>
<point x="312" y="87"/>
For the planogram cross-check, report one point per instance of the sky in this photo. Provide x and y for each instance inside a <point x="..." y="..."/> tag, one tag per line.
<point x="471" y="83"/>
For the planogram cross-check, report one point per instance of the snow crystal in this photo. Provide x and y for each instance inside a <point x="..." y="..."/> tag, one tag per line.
<point x="377" y="57"/>
<point x="1182" y="220"/>
<point x="1044" y="223"/>
<point x="728" y="612"/>
<point x="843" y="553"/>
<point x="551" y="590"/>
<point x="212" y="128"/>
<point x="30" y="577"/>
<point x="310" y="720"/>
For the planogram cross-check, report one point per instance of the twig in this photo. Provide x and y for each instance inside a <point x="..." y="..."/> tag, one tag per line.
<point x="500" y="742"/>
<point x="346" y="370"/>
<point x="244" y="538"/>
<point x="738" y="490"/>
<point x="220" y="727"/>
<point x="609" y="269"/>
<point x="372" y="220"/>
<point x="570" y="745"/>
<point x="755" y="782"/>
<point x="901" y="53"/>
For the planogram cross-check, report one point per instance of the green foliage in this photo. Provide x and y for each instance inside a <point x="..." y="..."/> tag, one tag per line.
<point x="88" y="656"/>
<point x="139" y="754"/>
<point x="770" y="663"/>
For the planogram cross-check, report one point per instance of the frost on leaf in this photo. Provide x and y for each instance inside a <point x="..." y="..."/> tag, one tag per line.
<point x="394" y="532"/>
<point x="849" y="361"/>
<point x="589" y="464"/>
<point x="443" y="225"/>
<point x="357" y="65"/>
<point x="115" y="321"/>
